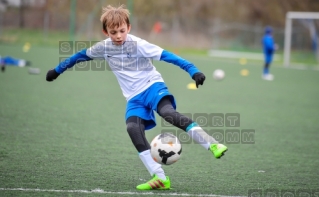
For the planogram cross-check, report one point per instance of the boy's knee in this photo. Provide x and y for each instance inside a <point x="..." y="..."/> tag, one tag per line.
<point x="175" y="118"/>
<point x="132" y="127"/>
<point x="167" y="111"/>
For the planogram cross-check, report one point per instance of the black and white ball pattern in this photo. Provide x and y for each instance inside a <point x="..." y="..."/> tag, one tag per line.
<point x="166" y="149"/>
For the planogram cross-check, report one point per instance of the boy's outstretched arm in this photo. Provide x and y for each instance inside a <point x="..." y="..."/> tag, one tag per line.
<point x="67" y="63"/>
<point x="192" y="70"/>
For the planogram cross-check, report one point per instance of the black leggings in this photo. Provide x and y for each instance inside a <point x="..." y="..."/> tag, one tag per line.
<point x="267" y="65"/>
<point x="135" y="126"/>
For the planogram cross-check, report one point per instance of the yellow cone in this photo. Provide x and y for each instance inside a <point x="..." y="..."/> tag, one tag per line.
<point x="242" y="61"/>
<point x="244" y="72"/>
<point x="26" y="47"/>
<point x="191" y="86"/>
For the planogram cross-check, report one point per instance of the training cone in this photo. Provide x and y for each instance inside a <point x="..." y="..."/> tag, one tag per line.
<point x="191" y="86"/>
<point x="26" y="47"/>
<point x="242" y="61"/>
<point x="244" y="72"/>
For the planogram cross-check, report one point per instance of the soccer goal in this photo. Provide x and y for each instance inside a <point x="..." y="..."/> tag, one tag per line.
<point x="307" y="21"/>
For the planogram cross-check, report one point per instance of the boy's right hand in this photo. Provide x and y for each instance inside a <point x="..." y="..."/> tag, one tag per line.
<point x="52" y="75"/>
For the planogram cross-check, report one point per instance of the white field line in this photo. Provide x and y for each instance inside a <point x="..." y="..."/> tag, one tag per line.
<point x="238" y="54"/>
<point x="100" y="191"/>
<point x="294" y="66"/>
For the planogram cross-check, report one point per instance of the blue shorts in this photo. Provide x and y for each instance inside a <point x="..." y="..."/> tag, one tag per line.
<point x="145" y="103"/>
<point x="268" y="58"/>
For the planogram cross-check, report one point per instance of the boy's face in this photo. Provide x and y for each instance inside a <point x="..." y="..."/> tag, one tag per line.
<point x="118" y="34"/>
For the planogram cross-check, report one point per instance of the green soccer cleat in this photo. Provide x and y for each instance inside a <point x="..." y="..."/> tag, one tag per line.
<point x="218" y="150"/>
<point x="155" y="183"/>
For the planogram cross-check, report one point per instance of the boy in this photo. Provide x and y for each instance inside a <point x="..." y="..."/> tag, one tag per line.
<point x="130" y="57"/>
<point x="269" y="48"/>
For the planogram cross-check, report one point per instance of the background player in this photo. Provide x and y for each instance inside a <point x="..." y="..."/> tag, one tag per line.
<point x="269" y="48"/>
<point x="11" y="61"/>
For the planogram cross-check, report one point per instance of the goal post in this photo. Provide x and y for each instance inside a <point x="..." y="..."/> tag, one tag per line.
<point x="288" y="30"/>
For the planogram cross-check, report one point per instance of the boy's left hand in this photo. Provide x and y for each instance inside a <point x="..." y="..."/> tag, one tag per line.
<point x="199" y="78"/>
<point x="52" y="75"/>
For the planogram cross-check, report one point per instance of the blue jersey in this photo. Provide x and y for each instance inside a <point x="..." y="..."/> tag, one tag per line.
<point x="268" y="44"/>
<point x="131" y="63"/>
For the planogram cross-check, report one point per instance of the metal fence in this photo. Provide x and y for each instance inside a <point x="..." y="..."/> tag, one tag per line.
<point x="202" y="33"/>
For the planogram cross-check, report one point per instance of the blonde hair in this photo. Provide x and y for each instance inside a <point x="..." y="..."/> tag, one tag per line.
<point x="114" y="17"/>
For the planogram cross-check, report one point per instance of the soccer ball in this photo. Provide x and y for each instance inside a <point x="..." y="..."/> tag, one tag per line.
<point x="166" y="149"/>
<point x="219" y="74"/>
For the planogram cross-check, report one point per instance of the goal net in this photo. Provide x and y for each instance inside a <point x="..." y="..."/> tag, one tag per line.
<point x="301" y="44"/>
